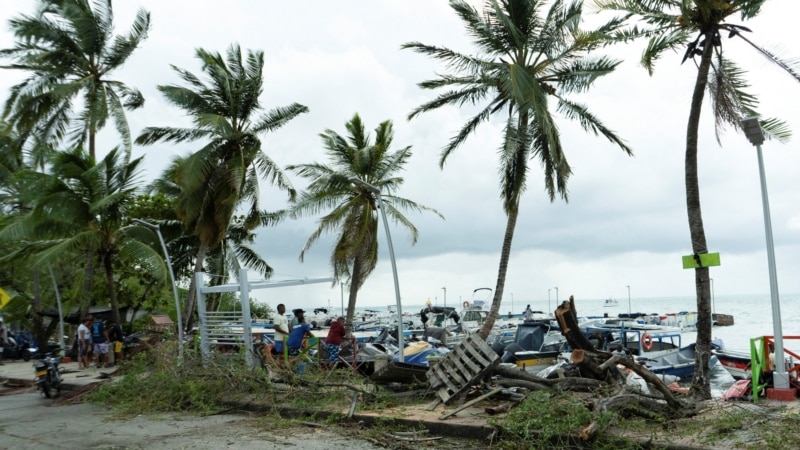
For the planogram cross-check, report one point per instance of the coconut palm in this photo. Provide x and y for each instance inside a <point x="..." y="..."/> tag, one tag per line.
<point x="527" y="58"/>
<point x="69" y="49"/>
<point x="696" y="28"/>
<point x="223" y="174"/>
<point x="351" y="209"/>
<point x="81" y="206"/>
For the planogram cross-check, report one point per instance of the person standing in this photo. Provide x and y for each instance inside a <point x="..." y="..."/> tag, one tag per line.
<point x="334" y="340"/>
<point x="100" y="342"/>
<point x="281" y="326"/>
<point x="528" y="313"/>
<point x="83" y="335"/>
<point x="115" y="336"/>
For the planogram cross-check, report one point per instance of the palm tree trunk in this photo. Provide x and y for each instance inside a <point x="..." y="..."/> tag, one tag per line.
<point x="505" y="254"/>
<point x="188" y="312"/>
<point x="88" y="283"/>
<point x="701" y="383"/>
<point x="112" y="288"/>
<point x="355" y="281"/>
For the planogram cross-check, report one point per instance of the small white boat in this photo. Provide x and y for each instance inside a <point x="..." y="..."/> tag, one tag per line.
<point x="610" y="302"/>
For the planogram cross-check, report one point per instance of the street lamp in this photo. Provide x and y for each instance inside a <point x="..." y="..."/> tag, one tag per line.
<point x="377" y="193"/>
<point x="445" y="296"/>
<point x="172" y="277"/>
<point x="629" y="300"/>
<point x="752" y="129"/>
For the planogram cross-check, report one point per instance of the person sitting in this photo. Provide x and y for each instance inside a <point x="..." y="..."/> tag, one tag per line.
<point x="300" y="331"/>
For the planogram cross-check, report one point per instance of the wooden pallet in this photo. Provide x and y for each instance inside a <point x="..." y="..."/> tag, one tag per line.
<point x="462" y="367"/>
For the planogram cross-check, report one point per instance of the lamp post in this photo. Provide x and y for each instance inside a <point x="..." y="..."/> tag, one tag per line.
<point x="629" y="300"/>
<point x="752" y="129"/>
<point x="172" y="277"/>
<point x="377" y="193"/>
<point x="548" y="301"/>
<point x="445" y="296"/>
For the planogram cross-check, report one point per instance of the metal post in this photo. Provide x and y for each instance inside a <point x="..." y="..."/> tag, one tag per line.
<point x="378" y="196"/>
<point x="629" y="300"/>
<point x="172" y="277"/>
<point x="60" y="314"/>
<point x="780" y="378"/>
<point x="548" y="301"/>
<point x="445" y="296"/>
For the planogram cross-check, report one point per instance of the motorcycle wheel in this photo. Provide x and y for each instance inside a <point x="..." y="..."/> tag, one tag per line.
<point x="26" y="355"/>
<point x="46" y="391"/>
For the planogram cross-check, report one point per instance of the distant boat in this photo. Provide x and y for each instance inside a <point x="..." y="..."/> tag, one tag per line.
<point x="611" y="302"/>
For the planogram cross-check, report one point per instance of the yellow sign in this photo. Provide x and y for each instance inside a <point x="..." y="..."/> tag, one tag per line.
<point x="705" y="260"/>
<point x="4" y="298"/>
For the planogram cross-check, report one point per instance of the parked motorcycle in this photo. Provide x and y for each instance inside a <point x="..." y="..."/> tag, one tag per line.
<point x="48" y="379"/>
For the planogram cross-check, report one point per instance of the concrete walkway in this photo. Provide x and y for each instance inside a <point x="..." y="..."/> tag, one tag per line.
<point x="20" y="373"/>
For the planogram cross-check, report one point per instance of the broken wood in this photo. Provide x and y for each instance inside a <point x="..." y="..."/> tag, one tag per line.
<point x="501" y="408"/>
<point x="471" y="402"/>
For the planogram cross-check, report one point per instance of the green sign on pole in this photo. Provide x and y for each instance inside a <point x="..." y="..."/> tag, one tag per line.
<point x="701" y="260"/>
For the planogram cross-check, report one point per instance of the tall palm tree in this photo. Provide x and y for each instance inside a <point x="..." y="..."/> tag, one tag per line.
<point x="696" y="27"/>
<point x="82" y="205"/>
<point x="527" y="58"/>
<point x="351" y="209"/>
<point x="69" y="49"/>
<point x="223" y="174"/>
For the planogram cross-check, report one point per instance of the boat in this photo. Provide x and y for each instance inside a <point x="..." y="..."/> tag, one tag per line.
<point x="536" y="346"/>
<point x="610" y="302"/>
<point x="737" y="363"/>
<point x="656" y="347"/>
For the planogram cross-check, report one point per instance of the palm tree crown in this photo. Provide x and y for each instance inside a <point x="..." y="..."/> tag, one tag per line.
<point x="69" y="49"/>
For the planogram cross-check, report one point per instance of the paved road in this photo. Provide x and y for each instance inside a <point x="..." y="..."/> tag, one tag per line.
<point x="28" y="421"/>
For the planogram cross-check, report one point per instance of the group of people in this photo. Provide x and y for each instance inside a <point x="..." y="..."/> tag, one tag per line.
<point x="292" y="333"/>
<point x="94" y="340"/>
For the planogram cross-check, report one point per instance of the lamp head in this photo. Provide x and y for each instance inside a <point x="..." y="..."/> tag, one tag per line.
<point x="752" y="129"/>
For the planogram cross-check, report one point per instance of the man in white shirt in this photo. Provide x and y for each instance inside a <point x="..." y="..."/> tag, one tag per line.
<point x="281" y="325"/>
<point x="83" y="336"/>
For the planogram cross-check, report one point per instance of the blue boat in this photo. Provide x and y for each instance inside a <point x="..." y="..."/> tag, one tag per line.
<point x="657" y="348"/>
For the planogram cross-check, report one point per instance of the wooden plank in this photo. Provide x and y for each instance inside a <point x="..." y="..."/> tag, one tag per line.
<point x="470" y="403"/>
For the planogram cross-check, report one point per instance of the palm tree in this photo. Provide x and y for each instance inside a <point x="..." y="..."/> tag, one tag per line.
<point x="223" y="174"/>
<point x="527" y="57"/>
<point x="351" y="208"/>
<point x="696" y="28"/>
<point x="69" y="50"/>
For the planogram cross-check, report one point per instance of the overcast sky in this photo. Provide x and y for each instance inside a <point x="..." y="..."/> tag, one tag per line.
<point x="625" y="223"/>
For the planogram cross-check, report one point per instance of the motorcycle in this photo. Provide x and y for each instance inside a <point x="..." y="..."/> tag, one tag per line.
<point x="48" y="379"/>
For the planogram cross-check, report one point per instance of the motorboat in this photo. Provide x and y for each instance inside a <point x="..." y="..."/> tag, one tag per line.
<point x="610" y="302"/>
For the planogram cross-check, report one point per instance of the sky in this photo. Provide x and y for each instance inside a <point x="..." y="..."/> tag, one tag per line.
<point x="621" y="234"/>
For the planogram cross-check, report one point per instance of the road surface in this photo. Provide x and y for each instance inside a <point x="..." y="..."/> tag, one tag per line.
<point x="28" y="421"/>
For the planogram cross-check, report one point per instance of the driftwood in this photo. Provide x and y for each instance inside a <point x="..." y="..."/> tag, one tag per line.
<point x="501" y="408"/>
<point x="470" y="403"/>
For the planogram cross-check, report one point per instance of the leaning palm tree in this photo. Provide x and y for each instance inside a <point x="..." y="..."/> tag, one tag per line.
<point x="223" y="174"/>
<point x="351" y="208"/>
<point x="696" y="27"/>
<point x="527" y="58"/>
<point x="69" y="49"/>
